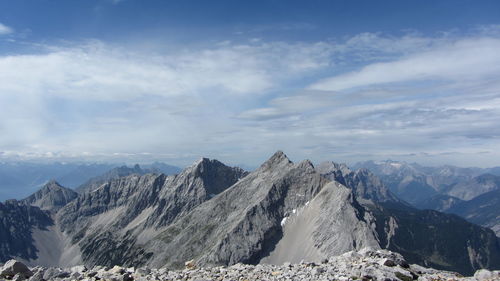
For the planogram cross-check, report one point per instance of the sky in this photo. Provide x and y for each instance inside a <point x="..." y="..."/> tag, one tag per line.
<point x="347" y="81"/>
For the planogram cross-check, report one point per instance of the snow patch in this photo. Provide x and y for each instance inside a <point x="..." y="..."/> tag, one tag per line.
<point x="396" y="165"/>
<point x="283" y="221"/>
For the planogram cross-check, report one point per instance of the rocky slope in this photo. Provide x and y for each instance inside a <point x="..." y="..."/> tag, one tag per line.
<point x="51" y="197"/>
<point x="17" y="221"/>
<point x="19" y="180"/>
<point x="123" y="171"/>
<point x="474" y="187"/>
<point x="243" y="223"/>
<point x="108" y="223"/>
<point x="422" y="236"/>
<point x="438" y="240"/>
<point x="265" y="215"/>
<point x="415" y="183"/>
<point x="483" y="210"/>
<point x="362" y="181"/>
<point x="218" y="215"/>
<point x="439" y="202"/>
<point x="366" y="264"/>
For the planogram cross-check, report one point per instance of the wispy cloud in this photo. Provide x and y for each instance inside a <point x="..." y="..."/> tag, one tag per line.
<point x="420" y="103"/>
<point x="102" y="99"/>
<point x="460" y="60"/>
<point x="101" y="72"/>
<point x="367" y="96"/>
<point x="4" y="30"/>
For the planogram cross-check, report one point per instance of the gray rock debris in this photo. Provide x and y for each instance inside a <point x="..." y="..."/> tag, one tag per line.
<point x="12" y="268"/>
<point x="366" y="264"/>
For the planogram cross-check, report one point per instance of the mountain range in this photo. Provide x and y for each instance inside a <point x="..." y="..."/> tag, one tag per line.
<point x="20" y="179"/>
<point x="471" y="193"/>
<point x="410" y="179"/>
<point x="220" y="215"/>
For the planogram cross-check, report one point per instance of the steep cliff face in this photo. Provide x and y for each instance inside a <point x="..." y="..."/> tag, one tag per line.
<point x="219" y="215"/>
<point x="124" y="171"/>
<point x="467" y="190"/>
<point x="263" y="217"/>
<point x="439" y="240"/>
<point x="440" y="202"/>
<point x="51" y="197"/>
<point x="483" y="210"/>
<point x="17" y="221"/>
<point x="113" y="174"/>
<point x="363" y="182"/>
<point x="108" y="223"/>
<point x="243" y="223"/>
<point x="331" y="224"/>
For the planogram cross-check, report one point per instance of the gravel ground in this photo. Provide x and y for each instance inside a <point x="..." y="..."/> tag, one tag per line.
<point x="366" y="264"/>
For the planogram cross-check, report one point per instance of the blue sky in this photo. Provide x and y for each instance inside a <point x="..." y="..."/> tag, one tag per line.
<point x="139" y="81"/>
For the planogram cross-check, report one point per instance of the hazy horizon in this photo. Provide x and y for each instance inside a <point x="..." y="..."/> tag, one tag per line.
<point x="189" y="162"/>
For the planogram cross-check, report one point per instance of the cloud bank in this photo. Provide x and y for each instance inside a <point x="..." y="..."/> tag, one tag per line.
<point x="428" y="99"/>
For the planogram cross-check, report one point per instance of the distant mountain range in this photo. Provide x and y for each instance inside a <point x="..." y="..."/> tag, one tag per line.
<point x="413" y="182"/>
<point x="220" y="215"/>
<point x="122" y="171"/>
<point x="472" y="193"/>
<point x="19" y="179"/>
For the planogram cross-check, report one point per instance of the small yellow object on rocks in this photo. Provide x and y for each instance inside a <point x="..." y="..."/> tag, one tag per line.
<point x="190" y="264"/>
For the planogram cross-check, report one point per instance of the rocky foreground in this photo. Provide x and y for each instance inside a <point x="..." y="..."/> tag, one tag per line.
<point x="366" y="264"/>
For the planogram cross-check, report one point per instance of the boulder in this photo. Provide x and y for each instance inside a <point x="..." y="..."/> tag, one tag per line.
<point x="13" y="267"/>
<point x="486" y="275"/>
<point x="52" y="273"/>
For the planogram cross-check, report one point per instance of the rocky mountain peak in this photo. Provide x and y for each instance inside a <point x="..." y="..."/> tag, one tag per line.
<point x="215" y="175"/>
<point x="330" y="166"/>
<point x="279" y="159"/>
<point x="52" y="184"/>
<point x="51" y="197"/>
<point x="307" y="165"/>
<point x="213" y="214"/>
<point x="364" y="183"/>
<point x="204" y="164"/>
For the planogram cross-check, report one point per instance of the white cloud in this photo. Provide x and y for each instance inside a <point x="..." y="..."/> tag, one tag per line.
<point x="443" y="98"/>
<point x="463" y="60"/>
<point x="4" y="30"/>
<point x="411" y="95"/>
<point x="99" y="98"/>
<point x="98" y="71"/>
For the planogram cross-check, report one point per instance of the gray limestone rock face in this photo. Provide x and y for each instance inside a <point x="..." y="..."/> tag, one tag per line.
<point x="331" y="224"/>
<point x="111" y="223"/>
<point x="242" y="224"/>
<point x="213" y="214"/>
<point x="51" y="197"/>
<point x="124" y="171"/>
<point x="467" y="190"/>
<point x="17" y="220"/>
<point x="483" y="210"/>
<point x="218" y="215"/>
<point x="435" y="239"/>
<point x="364" y="183"/>
<point x="14" y="267"/>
